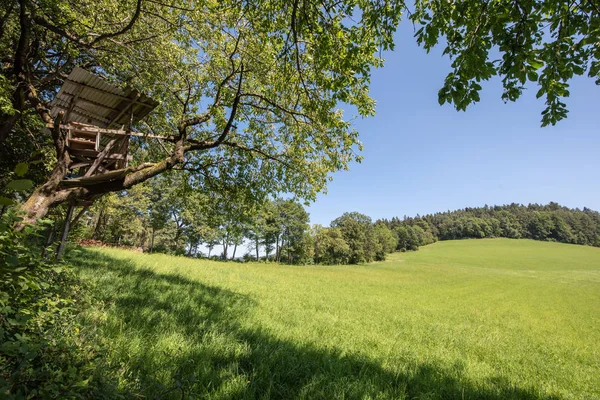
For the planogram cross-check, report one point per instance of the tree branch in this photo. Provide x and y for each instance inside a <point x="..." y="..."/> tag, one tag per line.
<point x="136" y="15"/>
<point x="236" y="101"/>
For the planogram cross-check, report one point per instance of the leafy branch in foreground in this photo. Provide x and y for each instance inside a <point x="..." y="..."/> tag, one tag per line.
<point x="545" y="42"/>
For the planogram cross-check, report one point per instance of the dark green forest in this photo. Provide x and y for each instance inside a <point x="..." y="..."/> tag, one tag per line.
<point x="550" y="222"/>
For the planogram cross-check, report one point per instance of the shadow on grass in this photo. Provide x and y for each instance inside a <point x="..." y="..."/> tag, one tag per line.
<point x="171" y="337"/>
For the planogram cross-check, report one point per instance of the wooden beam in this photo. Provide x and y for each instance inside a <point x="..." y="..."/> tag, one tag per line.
<point x="100" y="158"/>
<point x="79" y="153"/>
<point x="118" y="132"/>
<point x="72" y="104"/>
<point x="65" y="232"/>
<point x="80" y="164"/>
<point x="84" y="209"/>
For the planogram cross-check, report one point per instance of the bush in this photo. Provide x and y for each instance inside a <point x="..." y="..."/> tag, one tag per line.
<point x="44" y="351"/>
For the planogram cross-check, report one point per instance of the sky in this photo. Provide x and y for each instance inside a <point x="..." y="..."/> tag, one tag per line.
<point x="422" y="158"/>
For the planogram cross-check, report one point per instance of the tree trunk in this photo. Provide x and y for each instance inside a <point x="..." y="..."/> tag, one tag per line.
<point x="98" y="224"/>
<point x="257" y="248"/>
<point x="225" y="245"/>
<point x="19" y="69"/>
<point x="234" y="250"/>
<point x="143" y="238"/>
<point x="152" y="239"/>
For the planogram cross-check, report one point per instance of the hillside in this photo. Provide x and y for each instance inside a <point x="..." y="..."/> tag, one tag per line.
<point x="493" y="319"/>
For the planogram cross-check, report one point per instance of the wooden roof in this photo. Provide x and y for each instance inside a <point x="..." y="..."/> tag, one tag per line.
<point x="89" y="99"/>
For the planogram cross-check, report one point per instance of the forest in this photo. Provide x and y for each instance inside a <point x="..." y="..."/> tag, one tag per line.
<point x="550" y="222"/>
<point x="168" y="217"/>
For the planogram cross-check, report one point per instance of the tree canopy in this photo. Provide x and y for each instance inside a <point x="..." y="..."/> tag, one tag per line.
<point x="251" y="92"/>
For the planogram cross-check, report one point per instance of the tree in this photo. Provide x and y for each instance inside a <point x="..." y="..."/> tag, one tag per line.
<point x="330" y="246"/>
<point x="250" y="91"/>
<point x="357" y="231"/>
<point x="289" y="225"/>
<point x="386" y="241"/>
<point x="535" y="221"/>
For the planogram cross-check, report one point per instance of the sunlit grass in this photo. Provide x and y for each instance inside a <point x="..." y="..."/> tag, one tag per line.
<point x="466" y="319"/>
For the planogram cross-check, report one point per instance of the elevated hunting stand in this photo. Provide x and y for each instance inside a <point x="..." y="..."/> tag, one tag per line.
<point x="97" y="121"/>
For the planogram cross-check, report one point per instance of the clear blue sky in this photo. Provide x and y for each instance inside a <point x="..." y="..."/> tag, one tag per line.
<point x="421" y="157"/>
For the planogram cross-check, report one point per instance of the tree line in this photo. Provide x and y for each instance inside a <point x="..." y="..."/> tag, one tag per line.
<point x="550" y="222"/>
<point x="167" y="215"/>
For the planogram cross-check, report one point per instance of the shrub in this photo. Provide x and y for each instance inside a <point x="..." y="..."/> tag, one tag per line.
<point x="44" y="351"/>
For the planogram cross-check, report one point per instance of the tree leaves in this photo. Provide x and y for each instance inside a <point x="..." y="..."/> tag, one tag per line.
<point x="544" y="42"/>
<point x="21" y="169"/>
<point x="19" y="185"/>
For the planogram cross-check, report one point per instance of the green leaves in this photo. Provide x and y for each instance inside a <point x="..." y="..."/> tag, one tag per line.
<point x="5" y="201"/>
<point x="19" y="185"/>
<point x="535" y="64"/>
<point x="42" y="355"/>
<point x="21" y="169"/>
<point x="545" y="43"/>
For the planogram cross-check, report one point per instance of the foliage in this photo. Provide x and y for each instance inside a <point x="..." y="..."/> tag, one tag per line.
<point x="250" y="92"/>
<point x="330" y="246"/>
<point x="550" y="222"/>
<point x="545" y="42"/>
<point x="487" y="319"/>
<point x="385" y="239"/>
<point x="357" y="230"/>
<point x="45" y="352"/>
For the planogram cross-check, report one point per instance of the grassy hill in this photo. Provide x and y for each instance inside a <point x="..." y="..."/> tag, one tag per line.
<point x="472" y="319"/>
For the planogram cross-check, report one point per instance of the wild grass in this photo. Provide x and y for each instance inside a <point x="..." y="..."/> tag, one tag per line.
<point x="472" y="319"/>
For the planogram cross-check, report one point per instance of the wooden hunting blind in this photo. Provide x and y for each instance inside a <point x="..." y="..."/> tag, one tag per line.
<point x="97" y="119"/>
<point x="97" y="124"/>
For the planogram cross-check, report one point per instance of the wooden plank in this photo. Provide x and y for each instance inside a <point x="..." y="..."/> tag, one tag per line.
<point x="83" y="152"/>
<point x="84" y="209"/>
<point x="118" y="132"/>
<point x="80" y="164"/>
<point x="127" y="107"/>
<point x="65" y="232"/>
<point x="123" y="149"/>
<point x="100" y="158"/>
<point x="78" y="153"/>
<point x="72" y="103"/>
<point x="95" y="179"/>
<point x="84" y="141"/>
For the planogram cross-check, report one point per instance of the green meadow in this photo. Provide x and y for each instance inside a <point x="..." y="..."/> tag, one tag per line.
<point x="470" y="319"/>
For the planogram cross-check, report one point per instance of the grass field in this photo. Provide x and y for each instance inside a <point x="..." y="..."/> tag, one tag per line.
<point x="472" y="319"/>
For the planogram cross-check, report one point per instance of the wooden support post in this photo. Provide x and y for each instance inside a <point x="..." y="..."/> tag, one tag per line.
<point x="84" y="209"/>
<point x="49" y="240"/>
<point x="65" y="232"/>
